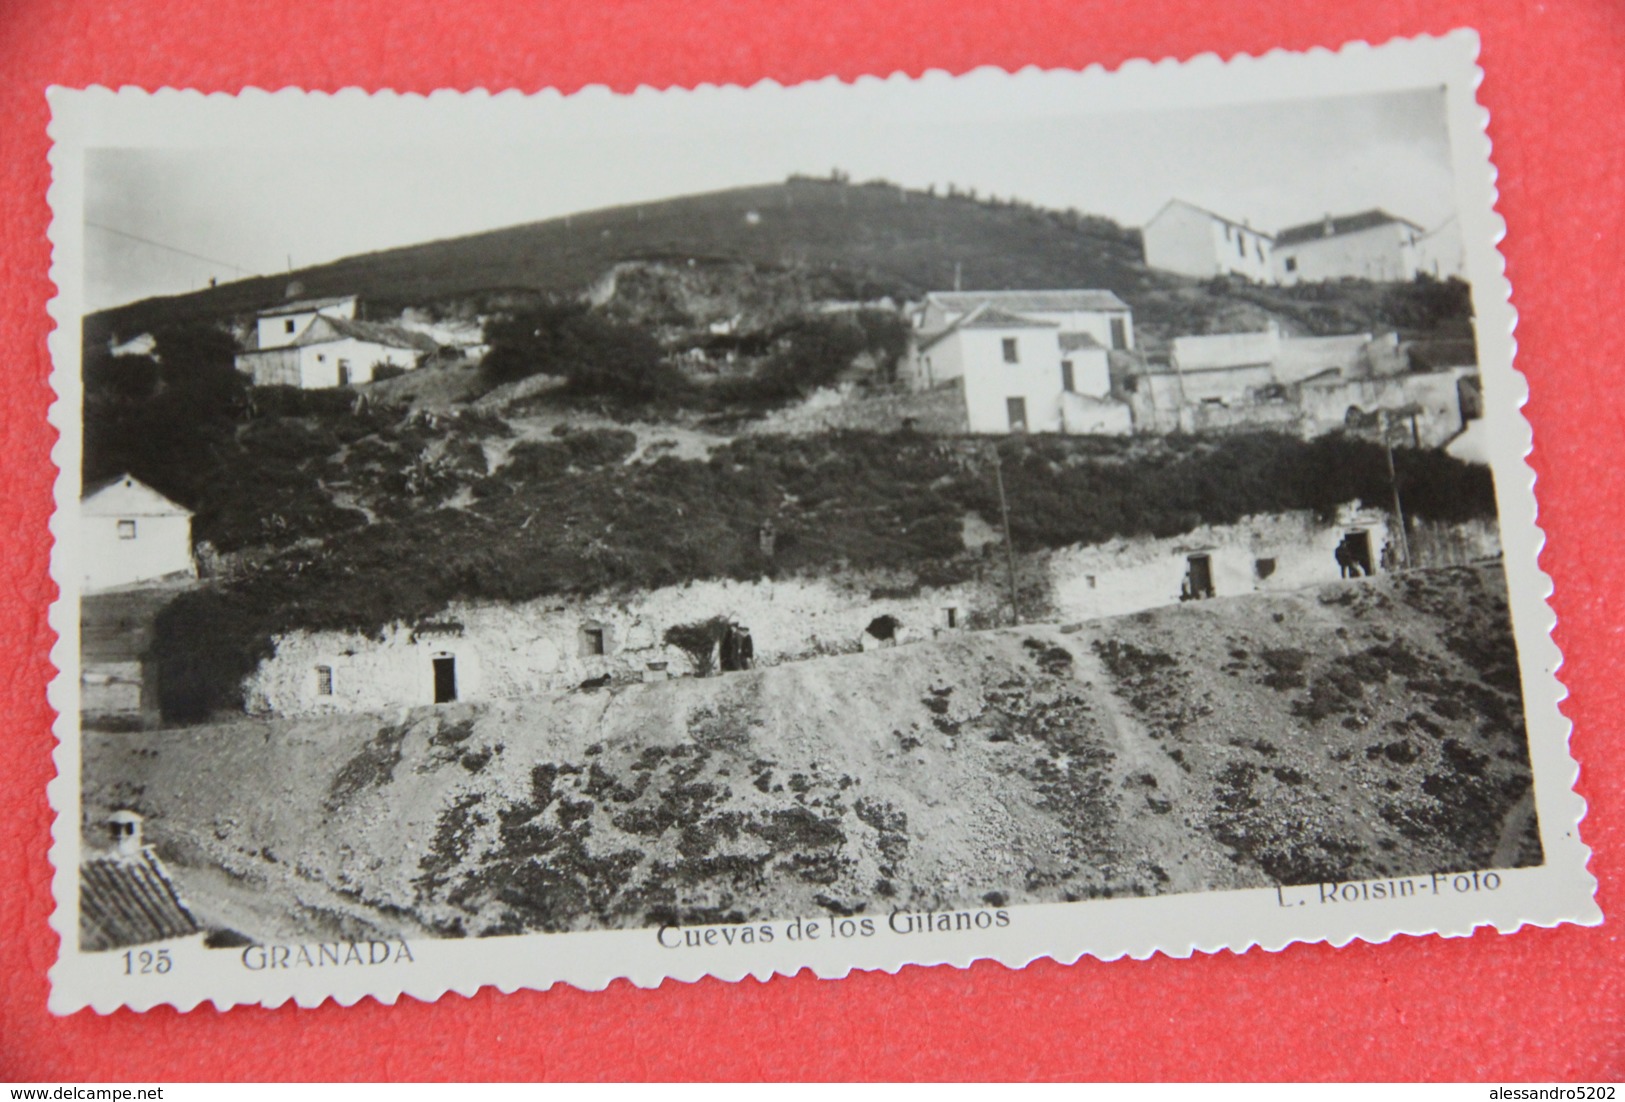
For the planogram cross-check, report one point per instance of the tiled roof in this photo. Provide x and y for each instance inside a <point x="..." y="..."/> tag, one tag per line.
<point x="994" y="318"/>
<point x="982" y="316"/>
<point x="127" y="901"/>
<point x="326" y="330"/>
<point x="1213" y="215"/>
<point x="1022" y="302"/>
<point x="139" y="500"/>
<point x="1071" y="342"/>
<point x="1347" y="223"/>
<point x="304" y="305"/>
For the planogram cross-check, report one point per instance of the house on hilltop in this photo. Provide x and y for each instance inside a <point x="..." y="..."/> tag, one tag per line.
<point x="1190" y="240"/>
<point x="130" y="533"/>
<point x="319" y="343"/>
<point x="1372" y="244"/>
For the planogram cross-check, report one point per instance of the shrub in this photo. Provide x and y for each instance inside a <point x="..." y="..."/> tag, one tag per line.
<point x="598" y="356"/>
<point x="699" y="640"/>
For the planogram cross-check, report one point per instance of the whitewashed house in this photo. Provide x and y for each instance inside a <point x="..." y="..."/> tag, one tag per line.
<point x="1189" y="240"/>
<point x="318" y="343"/>
<point x="1101" y="314"/>
<point x="130" y="533"/>
<point x="1021" y="374"/>
<point x="1372" y="245"/>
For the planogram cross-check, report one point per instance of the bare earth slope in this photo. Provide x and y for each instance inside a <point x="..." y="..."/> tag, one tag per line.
<point x="1358" y="730"/>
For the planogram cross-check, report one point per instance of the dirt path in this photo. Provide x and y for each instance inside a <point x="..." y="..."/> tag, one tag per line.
<point x="1171" y="838"/>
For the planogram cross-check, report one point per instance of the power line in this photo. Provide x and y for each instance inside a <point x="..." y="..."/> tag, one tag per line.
<point x="169" y="248"/>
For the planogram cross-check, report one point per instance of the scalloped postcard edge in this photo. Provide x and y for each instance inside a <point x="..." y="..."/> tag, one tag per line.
<point x="1560" y="891"/>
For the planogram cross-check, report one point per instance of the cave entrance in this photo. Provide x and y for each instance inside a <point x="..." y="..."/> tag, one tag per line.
<point x="1358" y="543"/>
<point x="884" y="628"/>
<point x="1198" y="576"/>
<point x="445" y="679"/>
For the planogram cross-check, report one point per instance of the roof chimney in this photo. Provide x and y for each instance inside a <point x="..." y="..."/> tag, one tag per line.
<point x="1329" y="227"/>
<point x="294" y="288"/>
<point x="124" y="830"/>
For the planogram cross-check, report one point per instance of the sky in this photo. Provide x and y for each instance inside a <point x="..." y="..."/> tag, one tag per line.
<point x="167" y="220"/>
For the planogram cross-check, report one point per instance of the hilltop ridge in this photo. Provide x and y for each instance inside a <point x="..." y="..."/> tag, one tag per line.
<point x="866" y="240"/>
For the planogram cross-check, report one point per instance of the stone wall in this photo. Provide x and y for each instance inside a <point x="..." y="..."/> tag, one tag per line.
<point x="940" y="410"/>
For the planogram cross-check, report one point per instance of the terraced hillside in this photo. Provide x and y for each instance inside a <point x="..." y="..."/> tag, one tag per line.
<point x="1361" y="729"/>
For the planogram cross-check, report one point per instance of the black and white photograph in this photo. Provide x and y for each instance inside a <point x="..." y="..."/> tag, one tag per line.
<point x="746" y="522"/>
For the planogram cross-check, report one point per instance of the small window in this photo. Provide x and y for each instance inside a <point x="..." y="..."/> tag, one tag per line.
<point x="593" y="643"/>
<point x="287" y="326"/>
<point x="1263" y="568"/>
<point x="1010" y="356"/>
<point x="1092" y="580"/>
<point x="321" y="357"/>
<point x="324" y="680"/>
<point x="1119" y="333"/>
<point x="126" y="529"/>
<point x="1241" y="246"/>
<point x="1291" y="263"/>
<point x="950" y="617"/>
<point x="1068" y="383"/>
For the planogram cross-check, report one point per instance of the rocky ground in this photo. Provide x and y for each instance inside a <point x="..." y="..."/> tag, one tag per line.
<point x="1361" y="729"/>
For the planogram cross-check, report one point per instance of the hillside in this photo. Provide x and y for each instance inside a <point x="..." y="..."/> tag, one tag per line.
<point x="865" y="240"/>
<point x="1357" y="730"/>
<point x="820" y="238"/>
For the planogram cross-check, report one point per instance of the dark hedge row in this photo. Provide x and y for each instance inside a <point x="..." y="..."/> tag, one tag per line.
<point x="572" y="517"/>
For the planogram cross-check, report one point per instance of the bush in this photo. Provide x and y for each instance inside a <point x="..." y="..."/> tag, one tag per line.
<point x="699" y="641"/>
<point x="597" y="356"/>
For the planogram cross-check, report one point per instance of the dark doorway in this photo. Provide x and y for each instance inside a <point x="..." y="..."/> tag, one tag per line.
<point x="445" y="679"/>
<point x="1198" y="577"/>
<point x="1119" y="334"/>
<point x="344" y="373"/>
<point x="1358" y="544"/>
<point x="1016" y="409"/>
<point x="884" y="628"/>
<point x="1068" y="384"/>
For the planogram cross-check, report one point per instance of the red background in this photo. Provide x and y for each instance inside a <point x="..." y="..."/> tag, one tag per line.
<point x="1540" y="1004"/>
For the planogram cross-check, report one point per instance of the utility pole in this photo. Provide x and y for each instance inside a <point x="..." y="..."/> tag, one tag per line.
<point x="1399" y="513"/>
<point x="1009" y="547"/>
